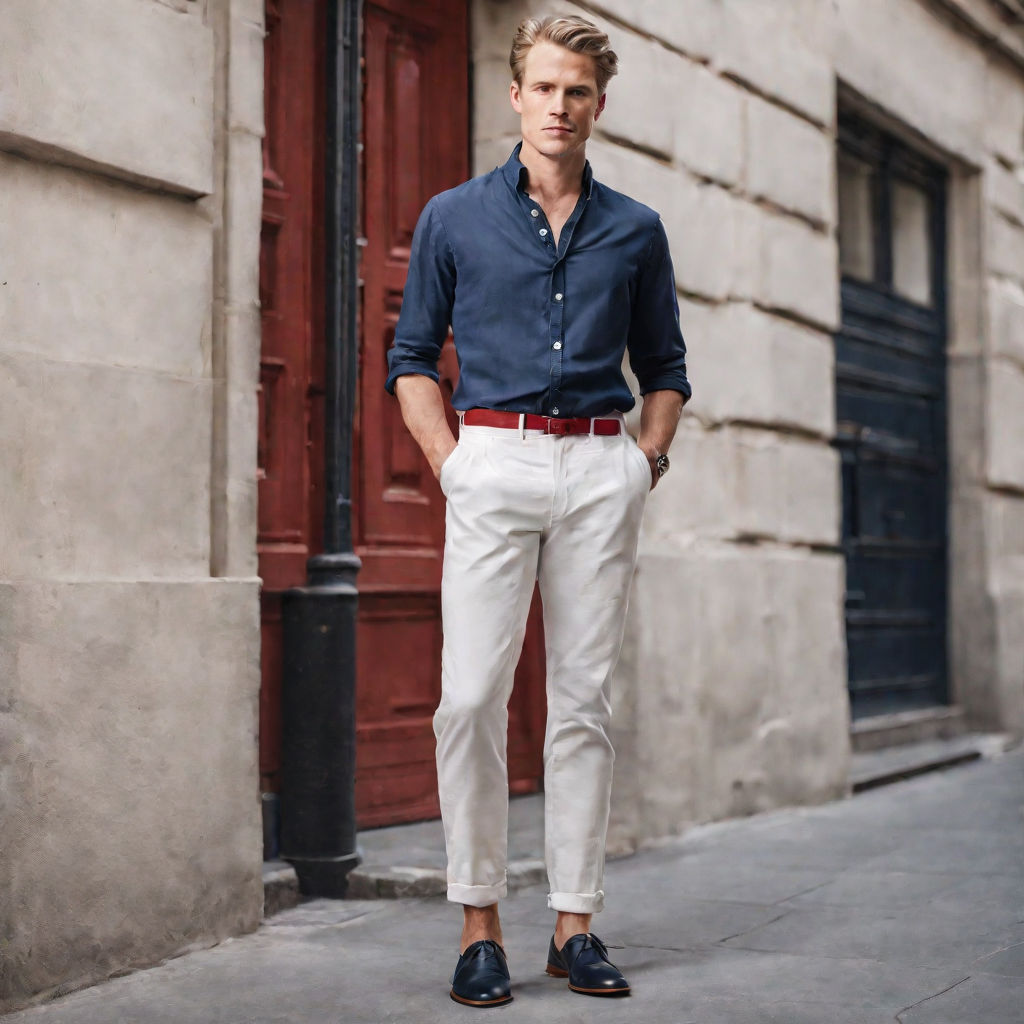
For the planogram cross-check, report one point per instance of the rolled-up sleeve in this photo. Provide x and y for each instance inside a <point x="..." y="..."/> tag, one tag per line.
<point x="426" y="302"/>
<point x="657" y="351"/>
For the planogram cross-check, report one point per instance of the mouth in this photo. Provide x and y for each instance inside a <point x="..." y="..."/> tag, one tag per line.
<point x="558" y="129"/>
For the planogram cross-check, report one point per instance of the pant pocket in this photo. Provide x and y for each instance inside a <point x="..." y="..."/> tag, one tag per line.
<point x="445" y="476"/>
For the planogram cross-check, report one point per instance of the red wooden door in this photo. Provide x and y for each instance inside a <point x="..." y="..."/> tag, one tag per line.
<point x="416" y="143"/>
<point x="290" y="445"/>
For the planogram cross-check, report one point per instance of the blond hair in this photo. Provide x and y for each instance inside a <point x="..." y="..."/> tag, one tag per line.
<point x="572" y="32"/>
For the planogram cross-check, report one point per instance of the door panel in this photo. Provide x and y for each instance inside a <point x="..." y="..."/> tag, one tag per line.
<point x="891" y="424"/>
<point x="416" y="144"/>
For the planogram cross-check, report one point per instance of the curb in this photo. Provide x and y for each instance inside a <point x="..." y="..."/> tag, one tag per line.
<point x="394" y="883"/>
<point x="280" y="887"/>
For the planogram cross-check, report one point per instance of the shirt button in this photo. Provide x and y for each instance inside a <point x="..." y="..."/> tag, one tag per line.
<point x="543" y="232"/>
<point x="534" y="213"/>
<point x="554" y="412"/>
<point x="557" y="345"/>
<point x="558" y="296"/>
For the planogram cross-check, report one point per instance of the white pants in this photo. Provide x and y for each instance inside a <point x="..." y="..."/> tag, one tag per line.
<point x="564" y="510"/>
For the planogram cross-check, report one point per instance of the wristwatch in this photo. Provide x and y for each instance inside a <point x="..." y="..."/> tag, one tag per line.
<point x="661" y="464"/>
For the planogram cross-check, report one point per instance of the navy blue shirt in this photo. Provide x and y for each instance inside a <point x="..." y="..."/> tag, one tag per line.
<point x="540" y="328"/>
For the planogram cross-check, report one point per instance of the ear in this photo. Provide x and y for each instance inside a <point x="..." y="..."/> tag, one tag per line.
<point x="514" y="97"/>
<point x="600" y="105"/>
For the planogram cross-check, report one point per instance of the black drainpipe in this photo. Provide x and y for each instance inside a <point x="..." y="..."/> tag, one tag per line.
<point x="318" y="824"/>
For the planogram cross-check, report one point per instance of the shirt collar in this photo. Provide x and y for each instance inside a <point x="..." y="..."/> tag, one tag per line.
<point x="518" y="177"/>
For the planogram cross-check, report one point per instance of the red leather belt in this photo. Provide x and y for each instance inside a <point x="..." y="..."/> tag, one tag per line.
<point x="549" y="424"/>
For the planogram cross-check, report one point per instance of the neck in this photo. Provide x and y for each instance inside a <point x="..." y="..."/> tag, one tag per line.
<point x="552" y="178"/>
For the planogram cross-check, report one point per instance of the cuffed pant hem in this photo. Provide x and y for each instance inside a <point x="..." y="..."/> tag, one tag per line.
<point x="476" y="895"/>
<point x="577" y="902"/>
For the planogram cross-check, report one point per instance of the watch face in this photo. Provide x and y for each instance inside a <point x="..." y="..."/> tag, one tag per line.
<point x="662" y="465"/>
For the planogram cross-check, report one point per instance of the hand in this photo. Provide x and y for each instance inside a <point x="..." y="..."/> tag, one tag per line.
<point x="439" y="455"/>
<point x="652" y="458"/>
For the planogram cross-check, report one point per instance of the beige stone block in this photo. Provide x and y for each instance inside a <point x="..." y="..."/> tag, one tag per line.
<point x="646" y="70"/>
<point x="803" y="378"/>
<point x="492" y="25"/>
<point x="101" y="273"/>
<point x="799" y="271"/>
<point x="789" y="162"/>
<point x="693" y="27"/>
<point x="1005" y="425"/>
<point x="234" y="496"/>
<point x="809" y="683"/>
<point x="647" y="180"/>
<point x="1006" y="319"/>
<point x="242" y="433"/>
<point x="743" y="706"/>
<point x="874" y="38"/>
<point x="968" y="401"/>
<point x="727" y="355"/>
<point x="1005" y="247"/>
<point x="1004" y="189"/>
<point x="695" y="500"/>
<point x="758" y="489"/>
<point x="127" y="86"/>
<point x="252" y="11"/>
<point x="1005" y="529"/>
<point x="132" y="824"/>
<point x="491" y="153"/>
<point x="758" y="368"/>
<point x="707" y="120"/>
<point x="971" y="614"/>
<point x="795" y="749"/>
<point x="493" y="115"/>
<point x="109" y="474"/>
<point x="811" y="497"/>
<point x="242" y="346"/>
<point x="241" y="504"/>
<point x="243" y="219"/>
<point x="245" y="75"/>
<point x="744" y="483"/>
<point x="1004" y="112"/>
<point x="1006" y="709"/>
<point x="966" y="274"/>
<point x="714" y="241"/>
<point x="768" y="45"/>
<point x="786" y="489"/>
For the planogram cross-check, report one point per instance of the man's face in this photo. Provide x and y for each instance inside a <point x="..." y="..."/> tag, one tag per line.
<point x="558" y="101"/>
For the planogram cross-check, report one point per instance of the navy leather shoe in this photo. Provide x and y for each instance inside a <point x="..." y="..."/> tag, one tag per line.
<point x="481" y="976"/>
<point x="584" y="961"/>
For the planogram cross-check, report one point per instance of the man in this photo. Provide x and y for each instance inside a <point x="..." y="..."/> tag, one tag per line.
<point x="546" y="278"/>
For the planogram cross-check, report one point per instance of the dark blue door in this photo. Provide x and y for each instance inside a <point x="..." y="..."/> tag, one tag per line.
<point x="891" y="421"/>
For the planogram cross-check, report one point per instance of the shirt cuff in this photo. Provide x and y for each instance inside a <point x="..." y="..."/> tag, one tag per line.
<point x="401" y="368"/>
<point x="673" y="380"/>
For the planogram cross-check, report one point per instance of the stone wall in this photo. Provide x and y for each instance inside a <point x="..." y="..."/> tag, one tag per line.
<point x="130" y="180"/>
<point x="731" y="695"/>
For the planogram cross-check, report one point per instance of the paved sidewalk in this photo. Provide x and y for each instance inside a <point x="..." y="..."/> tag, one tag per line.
<point x="904" y="903"/>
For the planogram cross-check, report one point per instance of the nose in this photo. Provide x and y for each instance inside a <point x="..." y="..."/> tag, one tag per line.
<point x="558" y="104"/>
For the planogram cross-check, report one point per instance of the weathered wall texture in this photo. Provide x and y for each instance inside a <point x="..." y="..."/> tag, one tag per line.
<point x="732" y="686"/>
<point x="129" y="222"/>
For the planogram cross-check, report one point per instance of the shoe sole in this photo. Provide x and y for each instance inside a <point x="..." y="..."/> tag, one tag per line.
<point x="560" y="972"/>
<point x="483" y="1004"/>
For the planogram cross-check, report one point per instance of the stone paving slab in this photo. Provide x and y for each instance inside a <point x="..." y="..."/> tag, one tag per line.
<point x="894" y="905"/>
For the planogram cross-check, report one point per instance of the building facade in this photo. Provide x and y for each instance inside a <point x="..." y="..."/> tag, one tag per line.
<point x="838" y="551"/>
